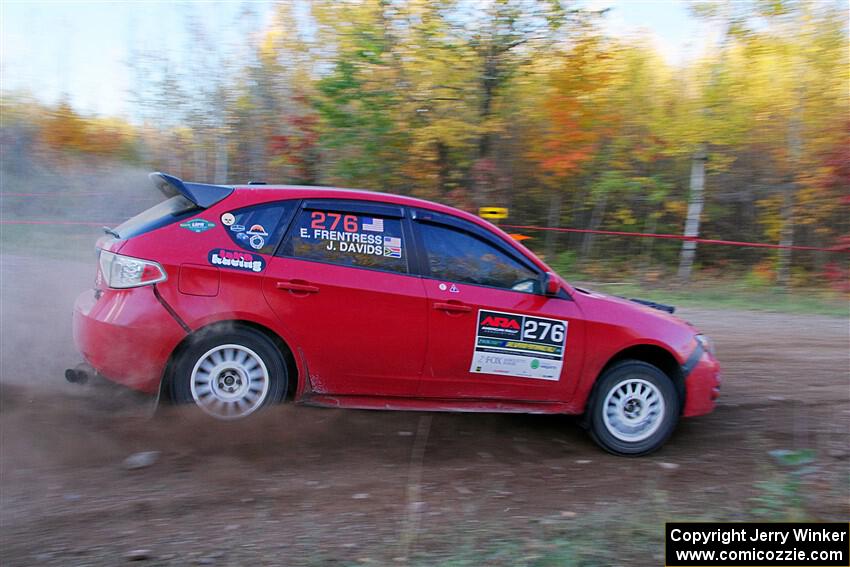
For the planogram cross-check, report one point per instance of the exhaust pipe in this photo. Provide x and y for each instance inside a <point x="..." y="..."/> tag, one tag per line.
<point x="80" y="374"/>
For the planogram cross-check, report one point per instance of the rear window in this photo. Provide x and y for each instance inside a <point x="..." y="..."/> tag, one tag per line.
<point x="165" y="213"/>
<point x="258" y="228"/>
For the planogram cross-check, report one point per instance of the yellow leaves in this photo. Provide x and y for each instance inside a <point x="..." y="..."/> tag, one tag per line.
<point x="574" y="115"/>
<point x="813" y="204"/>
<point x="676" y="208"/>
<point x="624" y="216"/>
<point x="62" y="129"/>
<point x="267" y="48"/>
<point x="720" y="162"/>
<point x="763" y="273"/>
<point x="770" y="217"/>
<point x="244" y="102"/>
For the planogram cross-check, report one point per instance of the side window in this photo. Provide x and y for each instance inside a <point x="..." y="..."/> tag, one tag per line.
<point x="258" y="228"/>
<point x="457" y="256"/>
<point x="348" y="239"/>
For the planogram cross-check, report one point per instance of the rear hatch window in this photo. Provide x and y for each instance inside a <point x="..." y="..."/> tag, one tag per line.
<point x="171" y="210"/>
<point x="183" y="200"/>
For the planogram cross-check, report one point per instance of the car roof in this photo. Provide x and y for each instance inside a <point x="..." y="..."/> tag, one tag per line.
<point x="320" y="192"/>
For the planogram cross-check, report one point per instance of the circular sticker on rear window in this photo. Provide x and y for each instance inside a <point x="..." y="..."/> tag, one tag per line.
<point x="228" y="219"/>
<point x="257" y="241"/>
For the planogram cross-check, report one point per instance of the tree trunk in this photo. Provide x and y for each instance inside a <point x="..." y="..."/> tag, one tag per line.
<point x="786" y="236"/>
<point x="257" y="157"/>
<point x="551" y="244"/>
<point x="200" y="161"/>
<point x="649" y="227"/>
<point x="577" y="205"/>
<point x="697" y="199"/>
<point x="443" y="170"/>
<point x="221" y="164"/>
<point x="795" y="147"/>
<point x="595" y="221"/>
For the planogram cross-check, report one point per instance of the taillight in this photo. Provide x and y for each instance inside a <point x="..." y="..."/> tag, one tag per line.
<point x="122" y="272"/>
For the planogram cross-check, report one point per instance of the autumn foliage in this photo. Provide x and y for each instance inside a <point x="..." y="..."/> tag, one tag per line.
<point x="526" y="104"/>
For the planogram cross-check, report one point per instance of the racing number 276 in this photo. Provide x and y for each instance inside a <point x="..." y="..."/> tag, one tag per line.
<point x="319" y="220"/>
<point x="543" y="330"/>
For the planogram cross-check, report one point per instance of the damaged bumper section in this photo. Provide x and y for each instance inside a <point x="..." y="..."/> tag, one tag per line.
<point x="125" y="335"/>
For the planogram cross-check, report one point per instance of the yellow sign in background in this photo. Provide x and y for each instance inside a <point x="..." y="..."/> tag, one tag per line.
<point x="493" y="212"/>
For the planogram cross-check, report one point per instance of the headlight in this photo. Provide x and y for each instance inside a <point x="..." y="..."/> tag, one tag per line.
<point x="706" y="343"/>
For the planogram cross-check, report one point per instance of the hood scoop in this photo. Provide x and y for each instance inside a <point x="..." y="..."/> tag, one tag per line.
<point x="660" y="306"/>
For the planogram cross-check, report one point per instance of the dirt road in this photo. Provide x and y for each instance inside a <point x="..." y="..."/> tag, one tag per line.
<point x="306" y="486"/>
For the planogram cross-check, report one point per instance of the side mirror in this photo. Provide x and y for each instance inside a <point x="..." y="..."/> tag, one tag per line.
<point x="551" y="285"/>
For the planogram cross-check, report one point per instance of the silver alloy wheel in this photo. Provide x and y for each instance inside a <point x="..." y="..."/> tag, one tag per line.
<point x="229" y="381"/>
<point x="633" y="410"/>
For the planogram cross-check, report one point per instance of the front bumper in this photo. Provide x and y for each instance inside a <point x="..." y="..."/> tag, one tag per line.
<point x="702" y="386"/>
<point x="126" y="335"/>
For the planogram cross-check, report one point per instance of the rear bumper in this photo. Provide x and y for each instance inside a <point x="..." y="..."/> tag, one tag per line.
<point x="126" y="335"/>
<point x="702" y="386"/>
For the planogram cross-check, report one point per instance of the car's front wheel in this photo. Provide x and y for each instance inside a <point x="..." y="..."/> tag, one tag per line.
<point x="634" y="409"/>
<point x="229" y="374"/>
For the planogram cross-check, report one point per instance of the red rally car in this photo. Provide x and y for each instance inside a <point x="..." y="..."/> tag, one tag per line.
<point x="236" y="298"/>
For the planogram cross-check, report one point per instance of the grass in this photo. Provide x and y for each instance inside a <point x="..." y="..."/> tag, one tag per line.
<point x="731" y="295"/>
<point x="632" y="535"/>
<point x="597" y="539"/>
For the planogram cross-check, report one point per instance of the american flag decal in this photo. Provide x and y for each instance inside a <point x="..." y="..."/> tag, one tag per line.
<point x="373" y="225"/>
<point x="392" y="247"/>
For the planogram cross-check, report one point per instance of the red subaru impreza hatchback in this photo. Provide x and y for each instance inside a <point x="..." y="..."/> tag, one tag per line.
<point x="236" y="298"/>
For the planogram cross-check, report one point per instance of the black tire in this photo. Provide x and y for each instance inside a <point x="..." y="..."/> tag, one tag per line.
<point x="237" y="371"/>
<point x="637" y="422"/>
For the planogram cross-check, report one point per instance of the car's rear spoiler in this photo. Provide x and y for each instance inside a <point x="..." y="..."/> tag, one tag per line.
<point x="201" y="194"/>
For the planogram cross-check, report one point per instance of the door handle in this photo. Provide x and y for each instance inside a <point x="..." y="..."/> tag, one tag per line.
<point x="453" y="307"/>
<point x="294" y="285"/>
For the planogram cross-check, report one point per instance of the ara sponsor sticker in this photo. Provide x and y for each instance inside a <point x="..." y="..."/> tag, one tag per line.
<point x="257" y="229"/>
<point x="228" y="219"/>
<point x="237" y="260"/>
<point x="197" y="225"/>
<point x="510" y="344"/>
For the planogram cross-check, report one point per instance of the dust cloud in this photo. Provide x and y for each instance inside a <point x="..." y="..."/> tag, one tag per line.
<point x="43" y="267"/>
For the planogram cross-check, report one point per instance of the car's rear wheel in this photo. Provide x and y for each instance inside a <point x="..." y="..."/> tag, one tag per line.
<point x="634" y="409"/>
<point x="229" y="374"/>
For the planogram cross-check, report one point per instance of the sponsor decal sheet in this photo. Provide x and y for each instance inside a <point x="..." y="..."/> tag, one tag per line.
<point x="526" y="346"/>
